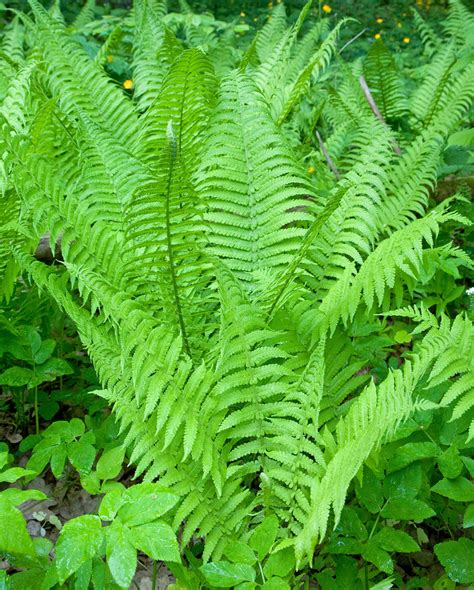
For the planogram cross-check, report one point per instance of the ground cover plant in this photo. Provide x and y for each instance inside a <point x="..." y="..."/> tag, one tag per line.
<point x="261" y="241"/>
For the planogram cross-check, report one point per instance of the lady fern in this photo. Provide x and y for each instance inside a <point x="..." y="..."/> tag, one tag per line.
<point x="216" y="288"/>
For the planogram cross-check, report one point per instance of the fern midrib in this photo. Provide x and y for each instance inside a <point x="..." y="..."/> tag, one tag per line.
<point x="169" y="244"/>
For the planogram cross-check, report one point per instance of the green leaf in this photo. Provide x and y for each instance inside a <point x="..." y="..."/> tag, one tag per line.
<point x="16" y="376"/>
<point x="392" y="539"/>
<point x="401" y="509"/>
<point x="380" y="558"/>
<point x="457" y="558"/>
<point x="239" y="552"/>
<point x="4" y="459"/>
<point x="411" y="452"/>
<point x="145" y="502"/>
<point x="79" y="540"/>
<point x="468" y="520"/>
<point x="370" y="493"/>
<point x="157" y="540"/>
<point x="51" y="370"/>
<point x="226" y="575"/>
<point x="76" y="427"/>
<point x="58" y="460"/>
<point x="121" y="554"/>
<point x="111" y="503"/>
<point x="82" y="455"/>
<point x="110" y="463"/>
<point x="91" y="483"/>
<point x="450" y="463"/>
<point x="264" y="535"/>
<point x="11" y="475"/>
<point x="16" y="497"/>
<point x="45" y="351"/>
<point x="459" y="489"/>
<point x="469" y="463"/>
<point x="403" y="483"/>
<point x="280" y="563"/>
<point x="275" y="583"/>
<point x="14" y="537"/>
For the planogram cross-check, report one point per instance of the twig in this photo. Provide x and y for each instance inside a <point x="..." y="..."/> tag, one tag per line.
<point x="375" y="110"/>
<point x="352" y="40"/>
<point x="327" y="156"/>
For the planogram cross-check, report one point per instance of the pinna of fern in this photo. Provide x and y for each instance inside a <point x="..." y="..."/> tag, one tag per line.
<point x="213" y="288"/>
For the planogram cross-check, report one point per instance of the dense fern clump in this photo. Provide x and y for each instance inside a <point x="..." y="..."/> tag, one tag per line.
<point x="220" y="290"/>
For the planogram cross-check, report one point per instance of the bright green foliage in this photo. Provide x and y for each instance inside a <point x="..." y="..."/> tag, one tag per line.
<point x="222" y="294"/>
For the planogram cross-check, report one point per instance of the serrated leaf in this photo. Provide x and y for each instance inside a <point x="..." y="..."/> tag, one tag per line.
<point x="16" y="376"/>
<point x="450" y="463"/>
<point x="275" y="583"/>
<point x="457" y="557"/>
<point x="468" y="520"/>
<point x="15" y="473"/>
<point x="380" y="558"/>
<point x="239" y="552"/>
<point x="226" y="575"/>
<point x="401" y="509"/>
<point x="411" y="452"/>
<point x="459" y="489"/>
<point x="157" y="540"/>
<point x="79" y="540"/>
<point x="264" y="535"/>
<point x="280" y="564"/>
<point x="16" y="497"/>
<point x="110" y="463"/>
<point x="144" y="503"/>
<point x="14" y="537"/>
<point x="121" y="554"/>
<point x="392" y="539"/>
<point x="82" y="455"/>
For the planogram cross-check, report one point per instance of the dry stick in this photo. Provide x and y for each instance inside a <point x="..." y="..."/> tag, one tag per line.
<point x="327" y="156"/>
<point x="352" y="40"/>
<point x="375" y="110"/>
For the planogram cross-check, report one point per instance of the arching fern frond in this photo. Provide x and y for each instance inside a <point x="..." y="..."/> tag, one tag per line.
<point x="254" y="187"/>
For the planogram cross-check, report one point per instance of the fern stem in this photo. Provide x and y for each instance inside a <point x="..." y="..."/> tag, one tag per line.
<point x="376" y="111"/>
<point x="331" y="164"/>
<point x="179" y="311"/>
<point x="154" y="576"/>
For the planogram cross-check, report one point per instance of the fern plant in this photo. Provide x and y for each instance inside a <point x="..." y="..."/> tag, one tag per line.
<point x="214" y="284"/>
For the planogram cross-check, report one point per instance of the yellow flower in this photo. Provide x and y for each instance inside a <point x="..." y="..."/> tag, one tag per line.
<point x="379" y="20"/>
<point x="377" y="36"/>
<point x="242" y="13"/>
<point x="326" y="8"/>
<point x="311" y="170"/>
<point x="406" y="39"/>
<point x="128" y="84"/>
<point x="110" y="58"/>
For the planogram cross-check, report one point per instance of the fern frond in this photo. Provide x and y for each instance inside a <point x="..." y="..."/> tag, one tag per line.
<point x="431" y="41"/>
<point x="255" y="190"/>
<point x="186" y="100"/>
<point x="78" y="82"/>
<point x="384" y="81"/>
<point x="372" y="419"/>
<point x="85" y="16"/>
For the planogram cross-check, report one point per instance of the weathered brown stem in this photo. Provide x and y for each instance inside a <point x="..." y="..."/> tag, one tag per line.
<point x="376" y="111"/>
<point x="331" y="164"/>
